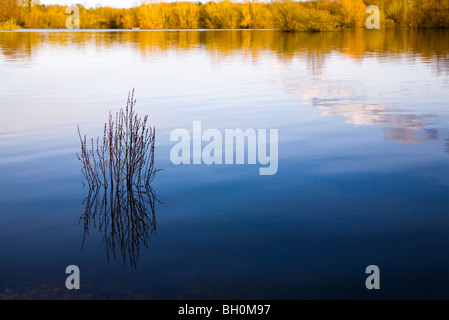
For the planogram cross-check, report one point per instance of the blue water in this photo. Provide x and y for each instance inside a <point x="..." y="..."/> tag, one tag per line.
<point x="363" y="174"/>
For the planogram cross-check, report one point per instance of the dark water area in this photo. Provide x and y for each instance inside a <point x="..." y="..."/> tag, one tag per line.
<point x="362" y="179"/>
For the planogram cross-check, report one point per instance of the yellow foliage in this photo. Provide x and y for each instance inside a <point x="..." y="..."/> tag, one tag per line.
<point x="186" y="15"/>
<point x="9" y="11"/>
<point x="294" y="16"/>
<point x="9" y="25"/>
<point x="353" y="12"/>
<point x="285" y="15"/>
<point x="256" y="16"/>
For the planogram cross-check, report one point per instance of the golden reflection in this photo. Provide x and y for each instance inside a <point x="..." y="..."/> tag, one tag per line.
<point x="430" y="45"/>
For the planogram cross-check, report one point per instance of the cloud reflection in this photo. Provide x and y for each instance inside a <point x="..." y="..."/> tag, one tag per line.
<point x="398" y="126"/>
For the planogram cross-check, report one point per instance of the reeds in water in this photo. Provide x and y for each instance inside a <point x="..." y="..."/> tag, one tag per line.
<point x="125" y="155"/>
<point x="119" y="170"/>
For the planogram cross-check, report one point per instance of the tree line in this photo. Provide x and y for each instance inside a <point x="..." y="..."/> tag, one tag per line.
<point x="284" y="15"/>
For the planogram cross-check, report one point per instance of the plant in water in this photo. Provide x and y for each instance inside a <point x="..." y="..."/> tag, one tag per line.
<point x="119" y="169"/>
<point x="125" y="155"/>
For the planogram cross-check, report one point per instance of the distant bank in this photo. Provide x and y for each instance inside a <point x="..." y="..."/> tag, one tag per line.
<point x="283" y="15"/>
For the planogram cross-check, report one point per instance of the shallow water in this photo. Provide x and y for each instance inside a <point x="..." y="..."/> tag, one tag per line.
<point x="363" y="172"/>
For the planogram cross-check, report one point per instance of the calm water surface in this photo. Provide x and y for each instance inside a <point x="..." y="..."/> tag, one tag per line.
<point x="363" y="175"/>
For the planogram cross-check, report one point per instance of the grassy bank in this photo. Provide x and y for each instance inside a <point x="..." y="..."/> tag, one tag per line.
<point x="284" y="15"/>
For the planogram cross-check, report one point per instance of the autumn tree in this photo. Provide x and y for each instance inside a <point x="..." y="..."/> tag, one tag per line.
<point x="9" y="9"/>
<point x="353" y="12"/>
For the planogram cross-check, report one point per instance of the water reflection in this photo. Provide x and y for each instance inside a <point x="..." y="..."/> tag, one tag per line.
<point x="118" y="171"/>
<point x="446" y="145"/>
<point x="426" y="48"/>
<point x="429" y="45"/>
<point x="397" y="125"/>
<point x="125" y="216"/>
<point x="380" y="195"/>
<point x="406" y="124"/>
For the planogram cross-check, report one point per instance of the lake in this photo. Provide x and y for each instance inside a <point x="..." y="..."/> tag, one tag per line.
<point x="363" y="164"/>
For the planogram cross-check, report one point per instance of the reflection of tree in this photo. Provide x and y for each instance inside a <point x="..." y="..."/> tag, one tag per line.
<point x="392" y="44"/>
<point x="119" y="171"/>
